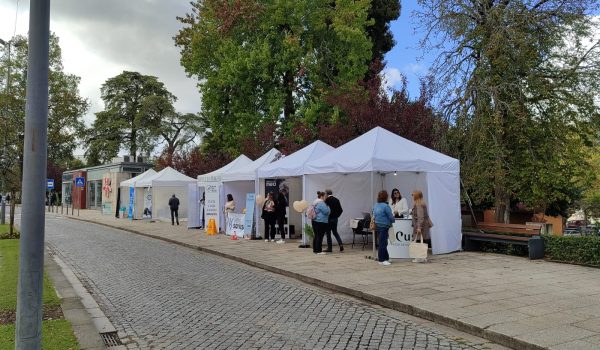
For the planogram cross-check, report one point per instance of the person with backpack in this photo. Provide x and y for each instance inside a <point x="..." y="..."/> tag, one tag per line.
<point x="336" y="211"/>
<point x="320" y="222"/>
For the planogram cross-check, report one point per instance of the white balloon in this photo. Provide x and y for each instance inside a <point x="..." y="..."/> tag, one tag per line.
<point x="298" y="206"/>
<point x="260" y="199"/>
<point x="304" y="204"/>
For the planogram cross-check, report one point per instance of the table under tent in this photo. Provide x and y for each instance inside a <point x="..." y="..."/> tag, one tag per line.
<point x="196" y="191"/>
<point x="288" y="172"/>
<point x="129" y="189"/>
<point x="241" y="181"/>
<point x="163" y="185"/>
<point x="379" y="159"/>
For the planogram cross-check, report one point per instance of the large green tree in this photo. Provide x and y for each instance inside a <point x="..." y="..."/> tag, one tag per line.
<point x="268" y="62"/>
<point x="65" y="108"/>
<point x="135" y="105"/>
<point x="520" y="81"/>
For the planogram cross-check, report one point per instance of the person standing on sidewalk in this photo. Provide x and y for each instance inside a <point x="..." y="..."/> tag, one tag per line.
<point x="384" y="219"/>
<point x="280" y="213"/>
<point x="322" y="212"/>
<point x="268" y="214"/>
<point x="336" y="211"/>
<point x="174" y="206"/>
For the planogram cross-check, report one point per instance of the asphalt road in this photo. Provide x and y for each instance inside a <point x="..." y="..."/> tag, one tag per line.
<point x="162" y="296"/>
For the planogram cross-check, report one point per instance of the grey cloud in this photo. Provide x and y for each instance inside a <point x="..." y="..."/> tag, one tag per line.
<point x="136" y="34"/>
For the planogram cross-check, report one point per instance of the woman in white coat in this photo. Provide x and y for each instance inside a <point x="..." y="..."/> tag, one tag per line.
<point x="398" y="204"/>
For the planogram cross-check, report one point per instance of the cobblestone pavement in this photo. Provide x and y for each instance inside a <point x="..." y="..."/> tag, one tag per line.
<point x="163" y="296"/>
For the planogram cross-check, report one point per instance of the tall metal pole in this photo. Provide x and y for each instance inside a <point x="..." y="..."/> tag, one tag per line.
<point x="31" y="259"/>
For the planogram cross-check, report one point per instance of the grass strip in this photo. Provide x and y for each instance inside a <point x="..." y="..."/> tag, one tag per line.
<point x="56" y="335"/>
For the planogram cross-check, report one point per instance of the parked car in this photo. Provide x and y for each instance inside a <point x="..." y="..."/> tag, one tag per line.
<point x="572" y="231"/>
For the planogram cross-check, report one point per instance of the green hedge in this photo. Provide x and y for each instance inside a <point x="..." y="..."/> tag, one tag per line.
<point x="578" y="250"/>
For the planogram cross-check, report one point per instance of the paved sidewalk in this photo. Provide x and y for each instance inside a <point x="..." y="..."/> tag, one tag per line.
<point x="512" y="301"/>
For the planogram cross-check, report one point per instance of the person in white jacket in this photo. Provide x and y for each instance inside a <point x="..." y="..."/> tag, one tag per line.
<point x="398" y="204"/>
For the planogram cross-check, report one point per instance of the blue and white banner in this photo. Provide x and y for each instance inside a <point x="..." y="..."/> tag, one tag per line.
<point x="249" y="218"/>
<point x="131" y="202"/>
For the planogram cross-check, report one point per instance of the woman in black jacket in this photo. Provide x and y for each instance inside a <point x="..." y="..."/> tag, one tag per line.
<point x="280" y="213"/>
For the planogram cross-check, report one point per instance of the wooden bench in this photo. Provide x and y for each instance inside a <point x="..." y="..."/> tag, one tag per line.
<point x="528" y="235"/>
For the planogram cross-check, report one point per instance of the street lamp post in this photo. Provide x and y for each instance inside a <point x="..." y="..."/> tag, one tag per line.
<point x="35" y="145"/>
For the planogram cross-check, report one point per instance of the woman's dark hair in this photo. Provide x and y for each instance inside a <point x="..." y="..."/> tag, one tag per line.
<point x="382" y="196"/>
<point x="320" y="194"/>
<point x="394" y="199"/>
<point x="229" y="197"/>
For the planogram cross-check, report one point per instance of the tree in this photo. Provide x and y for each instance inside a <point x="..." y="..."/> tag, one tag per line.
<point x="518" y="80"/>
<point x="134" y="107"/>
<point x="382" y="12"/>
<point x="193" y="162"/>
<point x="65" y="112"/>
<point x="266" y="62"/>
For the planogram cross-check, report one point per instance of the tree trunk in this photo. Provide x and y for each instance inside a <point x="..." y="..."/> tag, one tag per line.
<point x="11" y="223"/>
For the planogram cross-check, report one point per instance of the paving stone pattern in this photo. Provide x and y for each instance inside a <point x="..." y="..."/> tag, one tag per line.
<point x="163" y="296"/>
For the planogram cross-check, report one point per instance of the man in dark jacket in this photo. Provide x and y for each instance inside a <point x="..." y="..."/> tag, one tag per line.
<point x="174" y="205"/>
<point x="336" y="211"/>
<point x="280" y="213"/>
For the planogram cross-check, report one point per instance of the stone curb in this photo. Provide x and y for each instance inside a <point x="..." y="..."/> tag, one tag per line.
<point x="84" y="328"/>
<point x="495" y="337"/>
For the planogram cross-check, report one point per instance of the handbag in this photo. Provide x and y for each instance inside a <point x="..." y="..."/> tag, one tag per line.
<point x="429" y="222"/>
<point x="372" y="225"/>
<point x="418" y="250"/>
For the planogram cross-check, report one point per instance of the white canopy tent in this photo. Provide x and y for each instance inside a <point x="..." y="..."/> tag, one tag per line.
<point x="195" y="209"/>
<point x="164" y="184"/>
<point x="378" y="160"/>
<point x="238" y="182"/>
<point x="138" y="194"/>
<point x="292" y="168"/>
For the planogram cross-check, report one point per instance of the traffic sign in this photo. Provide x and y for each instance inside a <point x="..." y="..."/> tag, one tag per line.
<point x="80" y="182"/>
<point x="50" y="184"/>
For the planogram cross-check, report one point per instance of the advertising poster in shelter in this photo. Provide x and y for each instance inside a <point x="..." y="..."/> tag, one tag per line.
<point x="235" y="224"/>
<point x="147" y="213"/>
<point x="211" y="202"/>
<point x="249" y="218"/>
<point x="276" y="185"/>
<point x="131" y="202"/>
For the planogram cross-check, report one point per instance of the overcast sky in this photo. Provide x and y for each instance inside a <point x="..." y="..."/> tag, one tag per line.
<point x="101" y="38"/>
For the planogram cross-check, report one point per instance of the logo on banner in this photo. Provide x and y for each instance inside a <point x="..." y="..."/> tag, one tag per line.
<point x="235" y="224"/>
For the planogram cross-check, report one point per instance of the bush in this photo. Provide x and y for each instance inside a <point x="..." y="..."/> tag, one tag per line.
<point x="4" y="233"/>
<point x="309" y="231"/>
<point x="578" y="250"/>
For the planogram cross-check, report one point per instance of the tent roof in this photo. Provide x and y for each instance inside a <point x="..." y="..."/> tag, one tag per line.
<point x="382" y="150"/>
<point x="166" y="177"/>
<point x="294" y="164"/>
<point x="248" y="172"/>
<point x="133" y="180"/>
<point x="216" y="175"/>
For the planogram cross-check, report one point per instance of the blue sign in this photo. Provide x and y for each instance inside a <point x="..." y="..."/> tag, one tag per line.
<point x="249" y="219"/>
<point x="80" y="182"/>
<point x="50" y="184"/>
<point x="131" y="202"/>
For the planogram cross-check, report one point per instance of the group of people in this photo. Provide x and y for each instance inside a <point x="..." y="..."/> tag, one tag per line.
<point x="385" y="213"/>
<point x="324" y="214"/>
<point x="274" y="212"/>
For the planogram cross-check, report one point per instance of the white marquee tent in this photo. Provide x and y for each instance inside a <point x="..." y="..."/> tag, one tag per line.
<point x="195" y="193"/>
<point x="238" y="182"/>
<point x="164" y="184"/>
<point x="378" y="160"/>
<point x="292" y="168"/>
<point x="138" y="193"/>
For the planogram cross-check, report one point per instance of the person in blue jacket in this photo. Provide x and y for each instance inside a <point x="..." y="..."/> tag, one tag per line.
<point x="321" y="223"/>
<point x="384" y="219"/>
